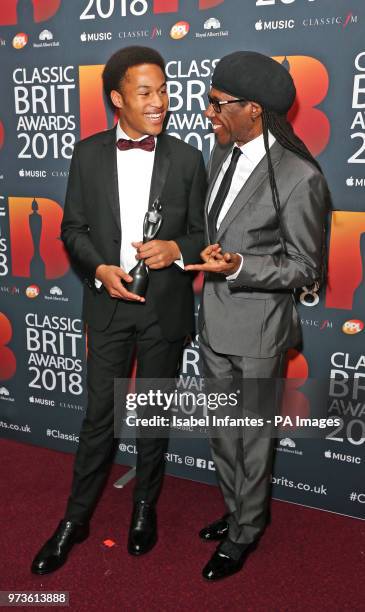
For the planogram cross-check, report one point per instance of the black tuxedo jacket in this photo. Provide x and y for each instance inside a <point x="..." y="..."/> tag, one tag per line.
<point x="92" y="232"/>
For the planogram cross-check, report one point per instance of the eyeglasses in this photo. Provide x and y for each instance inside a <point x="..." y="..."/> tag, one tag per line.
<point x="218" y="103"/>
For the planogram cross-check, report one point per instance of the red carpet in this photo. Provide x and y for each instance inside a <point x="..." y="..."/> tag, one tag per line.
<point x="307" y="559"/>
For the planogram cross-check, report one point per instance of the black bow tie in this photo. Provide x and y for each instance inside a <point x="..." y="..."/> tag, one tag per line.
<point x="147" y="144"/>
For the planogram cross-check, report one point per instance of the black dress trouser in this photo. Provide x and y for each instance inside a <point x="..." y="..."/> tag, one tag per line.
<point x="134" y="330"/>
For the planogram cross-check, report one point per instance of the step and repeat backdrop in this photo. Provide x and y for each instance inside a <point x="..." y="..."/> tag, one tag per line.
<point x="52" y="54"/>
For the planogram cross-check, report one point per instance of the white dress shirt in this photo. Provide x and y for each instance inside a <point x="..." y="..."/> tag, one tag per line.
<point x="134" y="182"/>
<point x="252" y="154"/>
<point x="135" y="168"/>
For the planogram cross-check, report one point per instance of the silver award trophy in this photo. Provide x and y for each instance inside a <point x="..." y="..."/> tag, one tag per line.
<point x="151" y="225"/>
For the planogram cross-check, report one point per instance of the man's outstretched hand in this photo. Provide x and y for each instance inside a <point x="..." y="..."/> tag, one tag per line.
<point x="112" y="277"/>
<point x="216" y="261"/>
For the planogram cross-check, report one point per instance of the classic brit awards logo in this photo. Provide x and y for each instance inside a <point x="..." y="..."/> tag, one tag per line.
<point x="43" y="104"/>
<point x="358" y="104"/>
<point x="56" y="348"/>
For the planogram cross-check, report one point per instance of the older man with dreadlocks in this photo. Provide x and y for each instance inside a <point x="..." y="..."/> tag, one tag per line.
<point x="266" y="213"/>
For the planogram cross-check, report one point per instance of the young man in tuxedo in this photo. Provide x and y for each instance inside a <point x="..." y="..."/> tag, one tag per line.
<point x="266" y="211"/>
<point x="115" y="177"/>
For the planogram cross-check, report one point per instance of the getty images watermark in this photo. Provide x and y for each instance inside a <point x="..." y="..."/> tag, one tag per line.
<point x="196" y="406"/>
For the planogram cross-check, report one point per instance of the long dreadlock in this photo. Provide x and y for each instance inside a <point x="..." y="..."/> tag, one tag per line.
<point x="282" y="130"/>
<point x="280" y="127"/>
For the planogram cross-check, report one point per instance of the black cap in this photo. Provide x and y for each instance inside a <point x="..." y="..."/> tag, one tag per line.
<point x="256" y="77"/>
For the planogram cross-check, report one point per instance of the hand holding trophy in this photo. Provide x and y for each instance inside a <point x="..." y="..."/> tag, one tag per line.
<point x="151" y="225"/>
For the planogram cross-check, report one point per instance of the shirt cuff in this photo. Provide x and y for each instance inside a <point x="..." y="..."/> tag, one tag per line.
<point x="98" y="283"/>
<point x="235" y="274"/>
<point x="180" y="262"/>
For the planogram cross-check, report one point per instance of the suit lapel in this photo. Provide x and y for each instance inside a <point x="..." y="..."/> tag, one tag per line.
<point x="160" y="168"/>
<point x="253" y="182"/>
<point x="110" y="174"/>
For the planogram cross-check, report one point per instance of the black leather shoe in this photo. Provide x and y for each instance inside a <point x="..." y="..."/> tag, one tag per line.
<point x="143" y="529"/>
<point x="222" y="565"/>
<point x="55" y="551"/>
<point x="215" y="531"/>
